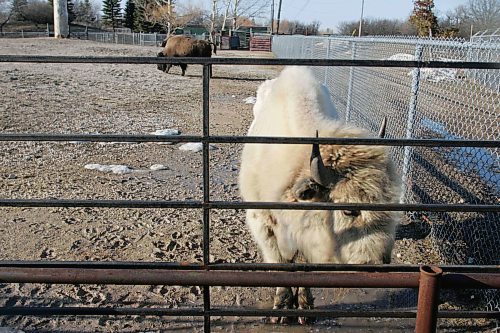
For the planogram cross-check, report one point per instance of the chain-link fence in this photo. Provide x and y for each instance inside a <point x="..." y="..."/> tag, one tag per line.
<point x="122" y="38"/>
<point x="133" y="38"/>
<point x="425" y="103"/>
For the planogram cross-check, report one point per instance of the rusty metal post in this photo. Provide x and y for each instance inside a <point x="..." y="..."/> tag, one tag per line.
<point x="428" y="299"/>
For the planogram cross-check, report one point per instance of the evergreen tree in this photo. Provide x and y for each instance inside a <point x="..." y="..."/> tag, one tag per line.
<point x="71" y="11"/>
<point x="17" y="9"/>
<point x="130" y="15"/>
<point x="111" y="13"/>
<point x="423" y="18"/>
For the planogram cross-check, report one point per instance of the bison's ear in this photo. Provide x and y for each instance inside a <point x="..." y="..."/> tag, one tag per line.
<point x="307" y="190"/>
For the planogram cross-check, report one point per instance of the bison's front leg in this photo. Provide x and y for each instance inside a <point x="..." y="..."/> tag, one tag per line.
<point x="262" y="225"/>
<point x="284" y="299"/>
<point x="305" y="301"/>
<point x="183" y="67"/>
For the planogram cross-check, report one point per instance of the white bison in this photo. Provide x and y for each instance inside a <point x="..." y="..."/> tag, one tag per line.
<point x="296" y="105"/>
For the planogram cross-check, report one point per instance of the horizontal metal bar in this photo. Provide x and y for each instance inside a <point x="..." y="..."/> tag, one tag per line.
<point x="351" y="206"/>
<point x="207" y="278"/>
<point x="241" y="279"/>
<point x="198" y="312"/>
<point x="246" y="205"/>
<point x="248" y="139"/>
<point x="243" y="266"/>
<point x="248" y="61"/>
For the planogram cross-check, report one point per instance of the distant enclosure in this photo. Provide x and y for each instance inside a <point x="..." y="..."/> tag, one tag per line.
<point x="426" y="103"/>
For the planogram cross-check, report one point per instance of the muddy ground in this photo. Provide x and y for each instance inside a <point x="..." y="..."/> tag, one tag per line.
<point x="139" y="99"/>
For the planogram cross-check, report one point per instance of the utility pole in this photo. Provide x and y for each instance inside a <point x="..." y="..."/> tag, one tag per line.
<point x="272" y="17"/>
<point x="61" y="26"/>
<point x="361" y="18"/>
<point x="278" y="21"/>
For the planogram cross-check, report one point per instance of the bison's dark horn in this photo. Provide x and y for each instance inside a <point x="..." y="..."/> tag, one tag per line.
<point x="322" y="175"/>
<point x="381" y="131"/>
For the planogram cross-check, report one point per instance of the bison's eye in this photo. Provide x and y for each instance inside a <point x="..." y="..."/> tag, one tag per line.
<point x="351" y="212"/>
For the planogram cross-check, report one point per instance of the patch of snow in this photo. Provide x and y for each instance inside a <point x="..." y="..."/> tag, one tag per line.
<point x="114" y="168"/>
<point x="76" y="143"/>
<point x="402" y="57"/>
<point x="167" y="131"/>
<point x="194" y="146"/>
<point x="437" y="75"/>
<point x="118" y="143"/>
<point x="250" y="100"/>
<point x="157" y="167"/>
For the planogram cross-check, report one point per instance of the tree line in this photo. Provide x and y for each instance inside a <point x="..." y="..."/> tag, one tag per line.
<point x="479" y="15"/>
<point x="164" y="16"/>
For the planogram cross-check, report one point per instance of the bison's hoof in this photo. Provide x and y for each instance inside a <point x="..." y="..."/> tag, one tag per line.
<point x="306" y="320"/>
<point x="281" y="320"/>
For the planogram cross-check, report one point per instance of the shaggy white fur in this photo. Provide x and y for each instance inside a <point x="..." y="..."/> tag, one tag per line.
<point x="296" y="105"/>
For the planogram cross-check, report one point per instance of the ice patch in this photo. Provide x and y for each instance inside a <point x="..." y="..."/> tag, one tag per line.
<point x="194" y="146"/>
<point x="114" y="168"/>
<point x="250" y="100"/>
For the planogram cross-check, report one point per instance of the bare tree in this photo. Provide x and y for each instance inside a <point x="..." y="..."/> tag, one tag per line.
<point x="476" y="14"/>
<point x="238" y="11"/>
<point x="482" y="14"/>
<point x="247" y="9"/>
<point x="377" y="27"/>
<point x="39" y="12"/>
<point x="170" y="15"/>
<point x="212" y="20"/>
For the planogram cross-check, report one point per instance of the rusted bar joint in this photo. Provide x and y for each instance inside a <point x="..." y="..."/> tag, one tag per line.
<point x="428" y="299"/>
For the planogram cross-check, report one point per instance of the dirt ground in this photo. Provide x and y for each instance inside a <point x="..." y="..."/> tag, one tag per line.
<point x="139" y="99"/>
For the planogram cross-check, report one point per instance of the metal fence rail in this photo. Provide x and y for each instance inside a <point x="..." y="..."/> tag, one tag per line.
<point x="210" y="274"/>
<point x="425" y="104"/>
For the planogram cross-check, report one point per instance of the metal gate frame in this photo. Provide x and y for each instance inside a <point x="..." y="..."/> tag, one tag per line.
<point x="428" y="279"/>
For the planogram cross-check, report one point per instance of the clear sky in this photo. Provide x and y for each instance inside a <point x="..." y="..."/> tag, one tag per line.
<point x="331" y="12"/>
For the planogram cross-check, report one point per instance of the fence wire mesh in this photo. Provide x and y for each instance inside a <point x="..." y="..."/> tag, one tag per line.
<point x="425" y="103"/>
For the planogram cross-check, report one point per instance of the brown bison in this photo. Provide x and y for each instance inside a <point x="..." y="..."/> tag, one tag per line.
<point x="184" y="46"/>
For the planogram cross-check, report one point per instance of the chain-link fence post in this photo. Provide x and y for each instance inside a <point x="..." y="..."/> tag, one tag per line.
<point x="410" y="123"/>
<point x="327" y="57"/>
<point x="351" y="83"/>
